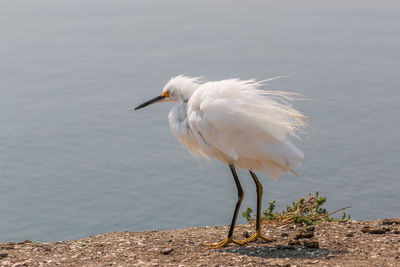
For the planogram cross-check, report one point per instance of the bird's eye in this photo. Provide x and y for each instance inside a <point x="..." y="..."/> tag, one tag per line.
<point x="165" y="94"/>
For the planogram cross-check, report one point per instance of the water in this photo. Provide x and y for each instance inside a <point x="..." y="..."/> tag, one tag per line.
<point x="76" y="160"/>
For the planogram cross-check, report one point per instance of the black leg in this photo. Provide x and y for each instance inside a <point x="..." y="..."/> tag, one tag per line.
<point x="258" y="216"/>
<point x="239" y="201"/>
<point x="259" y="199"/>
<point x="230" y="239"/>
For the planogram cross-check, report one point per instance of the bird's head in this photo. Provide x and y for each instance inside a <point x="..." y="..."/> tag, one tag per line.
<point x="177" y="88"/>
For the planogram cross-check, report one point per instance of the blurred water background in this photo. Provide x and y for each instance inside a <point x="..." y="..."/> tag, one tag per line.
<point x="76" y="160"/>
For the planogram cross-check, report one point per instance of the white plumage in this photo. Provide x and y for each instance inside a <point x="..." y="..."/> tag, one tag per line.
<point x="236" y="122"/>
<point x="239" y="124"/>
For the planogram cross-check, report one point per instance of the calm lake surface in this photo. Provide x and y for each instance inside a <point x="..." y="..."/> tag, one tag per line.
<point x="76" y="160"/>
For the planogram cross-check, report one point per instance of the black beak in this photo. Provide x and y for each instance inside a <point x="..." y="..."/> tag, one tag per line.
<point x="151" y="101"/>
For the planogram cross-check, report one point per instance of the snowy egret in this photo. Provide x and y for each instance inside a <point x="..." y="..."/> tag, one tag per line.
<point x="239" y="124"/>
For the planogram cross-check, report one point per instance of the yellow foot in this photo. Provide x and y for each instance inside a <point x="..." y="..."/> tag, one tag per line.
<point x="224" y="243"/>
<point x="255" y="237"/>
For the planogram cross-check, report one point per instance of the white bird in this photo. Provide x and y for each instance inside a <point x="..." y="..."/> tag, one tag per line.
<point x="239" y="124"/>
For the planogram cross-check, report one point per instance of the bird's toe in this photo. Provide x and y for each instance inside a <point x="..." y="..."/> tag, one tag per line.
<point x="254" y="237"/>
<point x="224" y="243"/>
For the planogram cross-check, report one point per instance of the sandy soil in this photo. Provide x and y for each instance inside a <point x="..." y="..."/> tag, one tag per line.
<point x="354" y="243"/>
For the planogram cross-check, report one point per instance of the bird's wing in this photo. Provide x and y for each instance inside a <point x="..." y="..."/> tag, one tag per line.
<point x="219" y="126"/>
<point x="239" y="127"/>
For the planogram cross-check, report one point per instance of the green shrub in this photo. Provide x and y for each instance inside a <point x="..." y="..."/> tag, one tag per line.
<point x="306" y="211"/>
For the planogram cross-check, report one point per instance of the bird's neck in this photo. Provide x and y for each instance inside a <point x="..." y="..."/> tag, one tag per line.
<point x="178" y="113"/>
<point x="183" y="103"/>
<point x="187" y="92"/>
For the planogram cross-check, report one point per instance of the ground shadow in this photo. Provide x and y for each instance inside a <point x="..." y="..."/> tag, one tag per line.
<point x="280" y="251"/>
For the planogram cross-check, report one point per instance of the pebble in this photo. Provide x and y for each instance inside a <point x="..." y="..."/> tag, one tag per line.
<point x="372" y="230"/>
<point x="311" y="244"/>
<point x="391" y="221"/>
<point x="3" y="255"/>
<point x="24" y="242"/>
<point x="20" y="264"/>
<point x="166" y="251"/>
<point x="294" y="243"/>
<point x="310" y="229"/>
<point x="304" y="235"/>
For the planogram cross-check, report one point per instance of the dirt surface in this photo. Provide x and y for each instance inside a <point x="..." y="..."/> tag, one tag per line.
<point x="355" y="243"/>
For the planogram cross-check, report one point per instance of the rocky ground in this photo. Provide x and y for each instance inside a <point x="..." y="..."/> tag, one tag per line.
<point x="354" y="243"/>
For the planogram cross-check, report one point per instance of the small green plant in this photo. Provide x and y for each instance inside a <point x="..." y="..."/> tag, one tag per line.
<point x="269" y="213"/>
<point x="247" y="214"/>
<point x="306" y="211"/>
